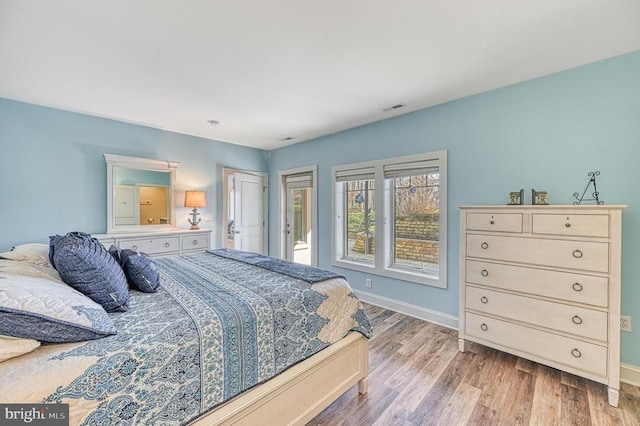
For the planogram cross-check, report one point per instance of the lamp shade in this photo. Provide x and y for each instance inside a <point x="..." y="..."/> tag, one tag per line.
<point x="195" y="199"/>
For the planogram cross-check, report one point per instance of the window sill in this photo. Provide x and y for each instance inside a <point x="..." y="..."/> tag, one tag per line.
<point x="399" y="274"/>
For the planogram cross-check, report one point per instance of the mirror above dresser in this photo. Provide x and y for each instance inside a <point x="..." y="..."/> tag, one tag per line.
<point x="140" y="194"/>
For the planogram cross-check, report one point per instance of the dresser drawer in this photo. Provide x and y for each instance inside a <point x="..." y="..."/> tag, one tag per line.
<point x="195" y="242"/>
<point x="569" y="319"/>
<point x="152" y="245"/>
<point x="567" y="286"/>
<point x="500" y="222"/>
<point x="557" y="349"/>
<point x="596" y="225"/>
<point x="582" y="255"/>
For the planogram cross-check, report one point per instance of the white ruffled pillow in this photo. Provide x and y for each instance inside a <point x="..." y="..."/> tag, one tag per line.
<point x="37" y="254"/>
<point x="49" y="311"/>
<point x="11" y="347"/>
<point x="28" y="269"/>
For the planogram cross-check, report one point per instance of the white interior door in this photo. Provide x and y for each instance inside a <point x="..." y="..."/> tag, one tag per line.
<point x="249" y="213"/>
<point x="127" y="205"/>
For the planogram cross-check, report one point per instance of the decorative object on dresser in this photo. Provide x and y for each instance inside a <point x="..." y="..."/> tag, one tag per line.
<point x="516" y="198"/>
<point x="195" y="199"/>
<point x="595" y="194"/>
<point x="543" y="283"/>
<point x="539" y="198"/>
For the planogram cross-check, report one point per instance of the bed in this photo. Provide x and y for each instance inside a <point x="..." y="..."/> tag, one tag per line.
<point x="227" y="338"/>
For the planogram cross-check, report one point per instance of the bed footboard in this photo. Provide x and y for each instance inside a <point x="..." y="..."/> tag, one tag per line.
<point x="303" y="391"/>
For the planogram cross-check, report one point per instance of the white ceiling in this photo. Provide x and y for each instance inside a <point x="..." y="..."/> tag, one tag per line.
<point x="269" y="70"/>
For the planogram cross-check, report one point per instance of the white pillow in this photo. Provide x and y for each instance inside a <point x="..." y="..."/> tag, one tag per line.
<point x="11" y="347"/>
<point x="49" y="311"/>
<point x="29" y="270"/>
<point x="32" y="253"/>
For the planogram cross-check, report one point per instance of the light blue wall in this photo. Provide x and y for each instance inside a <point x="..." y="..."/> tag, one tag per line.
<point x="544" y="134"/>
<point x="53" y="175"/>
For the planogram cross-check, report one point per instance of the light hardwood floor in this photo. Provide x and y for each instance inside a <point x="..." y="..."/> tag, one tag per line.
<point x="418" y="377"/>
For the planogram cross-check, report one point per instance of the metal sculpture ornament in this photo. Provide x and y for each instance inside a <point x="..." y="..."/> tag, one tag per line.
<point x="595" y="194"/>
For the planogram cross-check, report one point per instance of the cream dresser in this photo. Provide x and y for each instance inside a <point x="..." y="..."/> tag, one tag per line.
<point x="543" y="283"/>
<point x="161" y="243"/>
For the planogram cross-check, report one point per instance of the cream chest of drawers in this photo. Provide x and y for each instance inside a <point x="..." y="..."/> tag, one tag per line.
<point x="543" y="283"/>
<point x="164" y="243"/>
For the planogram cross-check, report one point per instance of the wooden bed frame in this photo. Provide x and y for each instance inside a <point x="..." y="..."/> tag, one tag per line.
<point x="301" y="392"/>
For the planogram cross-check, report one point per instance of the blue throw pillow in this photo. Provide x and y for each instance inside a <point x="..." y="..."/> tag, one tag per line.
<point x="54" y="238"/>
<point x="52" y="248"/>
<point x="87" y="266"/>
<point x="140" y="270"/>
<point x="115" y="252"/>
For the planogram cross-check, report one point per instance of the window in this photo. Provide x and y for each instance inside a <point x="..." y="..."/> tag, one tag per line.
<point x="407" y="241"/>
<point x="358" y="207"/>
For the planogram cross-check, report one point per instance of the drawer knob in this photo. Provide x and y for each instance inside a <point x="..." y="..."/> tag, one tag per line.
<point x="484" y="299"/>
<point x="195" y="242"/>
<point x="484" y="273"/>
<point x="568" y="225"/>
<point x="484" y="327"/>
<point x="576" y="353"/>
<point x="577" y="286"/>
<point x="577" y="254"/>
<point x="492" y="222"/>
<point x="484" y="245"/>
<point x="576" y="319"/>
<point x="134" y="247"/>
<point x="167" y="244"/>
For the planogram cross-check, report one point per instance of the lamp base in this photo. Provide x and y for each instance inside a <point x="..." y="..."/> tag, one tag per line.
<point x="196" y="220"/>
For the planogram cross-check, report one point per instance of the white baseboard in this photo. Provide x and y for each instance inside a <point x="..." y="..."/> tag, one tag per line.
<point x="419" y="312"/>
<point x="628" y="373"/>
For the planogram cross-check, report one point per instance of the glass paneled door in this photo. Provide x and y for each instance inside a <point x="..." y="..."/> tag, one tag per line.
<point x="299" y="219"/>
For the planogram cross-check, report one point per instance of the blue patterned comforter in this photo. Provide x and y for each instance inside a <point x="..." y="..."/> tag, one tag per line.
<point x="215" y="328"/>
<point x="294" y="270"/>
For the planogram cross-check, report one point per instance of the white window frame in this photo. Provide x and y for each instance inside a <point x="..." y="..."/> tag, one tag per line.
<point x="384" y="221"/>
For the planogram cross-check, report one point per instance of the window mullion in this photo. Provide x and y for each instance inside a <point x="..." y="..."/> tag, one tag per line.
<point x="345" y="224"/>
<point x="388" y="224"/>
<point x="380" y="206"/>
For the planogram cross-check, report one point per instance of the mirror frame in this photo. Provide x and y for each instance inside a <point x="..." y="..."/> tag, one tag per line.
<point x="138" y="163"/>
